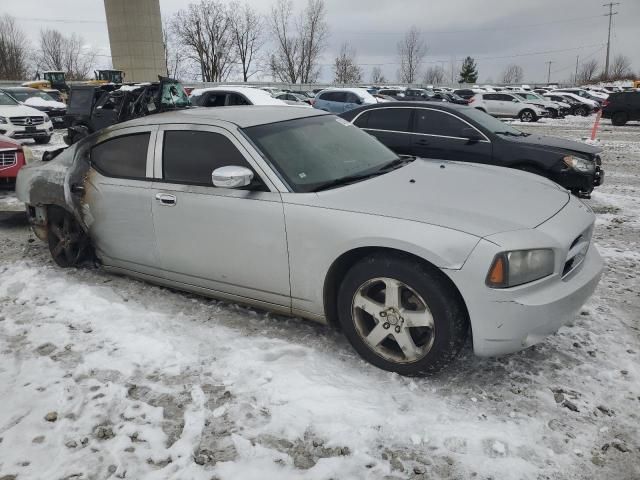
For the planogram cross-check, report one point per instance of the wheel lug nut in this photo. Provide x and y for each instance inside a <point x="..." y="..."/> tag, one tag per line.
<point x="386" y="325"/>
<point x="398" y="329"/>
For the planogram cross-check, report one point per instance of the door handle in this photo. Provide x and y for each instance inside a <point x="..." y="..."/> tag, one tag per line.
<point x="166" y="199"/>
<point x="423" y="142"/>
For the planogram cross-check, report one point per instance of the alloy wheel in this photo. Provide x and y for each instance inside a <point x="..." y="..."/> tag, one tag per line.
<point x="526" y="116"/>
<point x="393" y="320"/>
<point x="67" y="243"/>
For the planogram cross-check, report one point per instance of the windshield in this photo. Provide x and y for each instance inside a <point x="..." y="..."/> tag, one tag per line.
<point x="22" y="96"/>
<point x="7" y="99"/>
<point x="491" y="123"/>
<point x="313" y="151"/>
<point x="54" y="76"/>
<point x="173" y="95"/>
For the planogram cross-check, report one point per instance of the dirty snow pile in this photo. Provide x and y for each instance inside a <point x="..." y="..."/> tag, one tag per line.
<point x="108" y="377"/>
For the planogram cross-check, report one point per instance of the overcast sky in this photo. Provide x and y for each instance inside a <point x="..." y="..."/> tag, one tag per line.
<point x="562" y="29"/>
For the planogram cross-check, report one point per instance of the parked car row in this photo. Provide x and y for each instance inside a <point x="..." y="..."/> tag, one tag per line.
<point x="309" y="215"/>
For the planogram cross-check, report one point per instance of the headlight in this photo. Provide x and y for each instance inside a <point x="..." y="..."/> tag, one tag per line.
<point x="579" y="164"/>
<point x="3" y="119"/>
<point x="46" y="117"/>
<point x="520" y="266"/>
<point x="28" y="154"/>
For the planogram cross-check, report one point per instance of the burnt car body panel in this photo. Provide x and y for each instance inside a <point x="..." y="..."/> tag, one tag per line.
<point x="534" y="153"/>
<point x="94" y="107"/>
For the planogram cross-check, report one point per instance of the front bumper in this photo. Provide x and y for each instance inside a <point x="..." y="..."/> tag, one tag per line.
<point x="21" y="132"/>
<point x="507" y="320"/>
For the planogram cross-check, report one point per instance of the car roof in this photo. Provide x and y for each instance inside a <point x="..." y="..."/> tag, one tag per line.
<point x="243" y="116"/>
<point x="446" y="107"/>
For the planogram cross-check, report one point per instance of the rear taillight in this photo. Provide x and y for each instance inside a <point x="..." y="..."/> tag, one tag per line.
<point x="312" y="101"/>
<point x="605" y="103"/>
<point x="471" y="100"/>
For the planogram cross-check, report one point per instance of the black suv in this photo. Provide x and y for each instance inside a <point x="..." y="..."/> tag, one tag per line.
<point x="454" y="132"/>
<point x="622" y="107"/>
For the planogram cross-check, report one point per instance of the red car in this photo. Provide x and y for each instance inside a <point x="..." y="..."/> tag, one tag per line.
<point x="13" y="157"/>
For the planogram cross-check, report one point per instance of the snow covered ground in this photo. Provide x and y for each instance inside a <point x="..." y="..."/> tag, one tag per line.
<point x="107" y="377"/>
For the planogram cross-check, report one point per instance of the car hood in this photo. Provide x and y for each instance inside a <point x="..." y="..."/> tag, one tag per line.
<point x="19" y="111"/>
<point x="554" y="143"/>
<point x="476" y="199"/>
<point x="37" y="102"/>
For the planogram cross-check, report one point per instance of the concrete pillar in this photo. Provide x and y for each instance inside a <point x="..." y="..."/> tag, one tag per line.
<point x="135" y="36"/>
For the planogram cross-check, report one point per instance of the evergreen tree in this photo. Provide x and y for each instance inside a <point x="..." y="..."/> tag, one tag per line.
<point x="469" y="71"/>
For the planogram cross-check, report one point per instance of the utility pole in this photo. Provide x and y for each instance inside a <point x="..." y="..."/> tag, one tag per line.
<point x="575" y="77"/>
<point x="610" y="15"/>
<point x="549" y="71"/>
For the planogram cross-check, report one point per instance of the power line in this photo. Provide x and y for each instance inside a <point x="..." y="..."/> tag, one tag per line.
<point x="486" y="29"/>
<point x="491" y="58"/>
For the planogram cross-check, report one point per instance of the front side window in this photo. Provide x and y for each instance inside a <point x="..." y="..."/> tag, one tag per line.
<point x="314" y="151"/>
<point x="123" y="157"/>
<point x="434" y="122"/>
<point x="394" y="119"/>
<point x="191" y="156"/>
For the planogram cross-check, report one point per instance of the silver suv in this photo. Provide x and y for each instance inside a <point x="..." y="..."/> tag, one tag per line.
<point x="502" y="104"/>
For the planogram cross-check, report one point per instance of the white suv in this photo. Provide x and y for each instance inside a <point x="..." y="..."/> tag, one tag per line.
<point x="503" y="104"/>
<point x="19" y="121"/>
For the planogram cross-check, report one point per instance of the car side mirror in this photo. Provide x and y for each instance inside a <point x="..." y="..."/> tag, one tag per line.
<point x="232" y="176"/>
<point x="471" y="134"/>
<point x="514" y="100"/>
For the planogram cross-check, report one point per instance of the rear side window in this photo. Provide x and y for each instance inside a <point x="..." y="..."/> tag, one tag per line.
<point x="394" y="119"/>
<point x="490" y="96"/>
<point x="191" y="156"/>
<point x="214" y="100"/>
<point x="334" y="97"/>
<point x="433" y="122"/>
<point x="363" y="120"/>
<point x="123" y="157"/>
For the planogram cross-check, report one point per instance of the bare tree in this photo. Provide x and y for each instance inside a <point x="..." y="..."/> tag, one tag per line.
<point x="434" y="75"/>
<point x="346" y="69"/>
<point x="67" y="54"/>
<point x="377" y="77"/>
<point x="172" y="55"/>
<point x="204" y="31"/>
<point x="620" y="68"/>
<point x="14" y="49"/>
<point x="412" y="49"/>
<point x="512" y="74"/>
<point x="297" y="47"/>
<point x="247" y="26"/>
<point x="587" y="71"/>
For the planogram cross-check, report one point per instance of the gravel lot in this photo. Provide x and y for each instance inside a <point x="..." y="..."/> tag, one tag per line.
<point x="104" y="376"/>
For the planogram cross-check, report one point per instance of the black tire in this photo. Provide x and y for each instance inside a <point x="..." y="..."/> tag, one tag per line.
<point x="450" y="319"/>
<point x="619" y="119"/>
<point x="582" y="111"/>
<point x="553" y="113"/>
<point x="68" y="243"/>
<point x="42" y="140"/>
<point x="527" y="115"/>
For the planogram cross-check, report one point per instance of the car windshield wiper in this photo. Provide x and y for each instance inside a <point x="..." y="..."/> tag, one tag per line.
<point x="338" y="182"/>
<point x="396" y="163"/>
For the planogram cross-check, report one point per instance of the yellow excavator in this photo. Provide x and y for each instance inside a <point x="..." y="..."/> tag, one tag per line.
<point x="50" y="80"/>
<point x="107" y="76"/>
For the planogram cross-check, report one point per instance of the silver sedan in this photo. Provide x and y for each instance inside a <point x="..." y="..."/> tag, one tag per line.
<point x="298" y="212"/>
